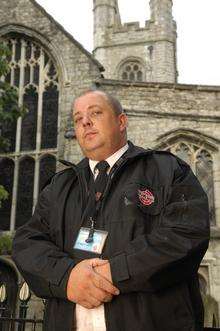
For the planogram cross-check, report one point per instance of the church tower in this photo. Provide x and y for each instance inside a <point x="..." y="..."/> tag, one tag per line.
<point x="161" y="11"/>
<point x="131" y="52"/>
<point x="106" y="15"/>
<point x="164" y="35"/>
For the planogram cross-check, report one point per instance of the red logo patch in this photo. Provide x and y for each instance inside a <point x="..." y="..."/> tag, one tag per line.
<point x="146" y="197"/>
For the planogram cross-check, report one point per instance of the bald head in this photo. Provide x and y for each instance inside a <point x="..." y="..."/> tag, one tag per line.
<point x="112" y="101"/>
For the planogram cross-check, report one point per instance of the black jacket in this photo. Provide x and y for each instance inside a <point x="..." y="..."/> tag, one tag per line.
<point x="156" y="214"/>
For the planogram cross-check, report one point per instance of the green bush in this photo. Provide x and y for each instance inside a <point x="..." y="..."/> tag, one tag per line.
<point x="3" y="194"/>
<point x="5" y="244"/>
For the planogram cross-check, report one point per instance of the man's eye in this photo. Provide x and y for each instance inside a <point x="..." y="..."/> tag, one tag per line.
<point x="96" y="113"/>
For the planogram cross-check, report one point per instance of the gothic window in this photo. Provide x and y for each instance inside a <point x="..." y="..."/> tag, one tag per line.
<point x="25" y="190"/>
<point x="132" y="70"/>
<point x="34" y="73"/>
<point x="6" y="180"/>
<point x="201" y="163"/>
<point x="47" y="169"/>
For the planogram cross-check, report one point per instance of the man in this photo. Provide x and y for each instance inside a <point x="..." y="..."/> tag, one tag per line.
<point x="123" y="257"/>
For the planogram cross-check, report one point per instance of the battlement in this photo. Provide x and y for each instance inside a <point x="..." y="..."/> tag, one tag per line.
<point x="133" y="26"/>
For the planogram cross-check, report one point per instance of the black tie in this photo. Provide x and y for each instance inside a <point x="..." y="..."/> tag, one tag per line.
<point x="101" y="179"/>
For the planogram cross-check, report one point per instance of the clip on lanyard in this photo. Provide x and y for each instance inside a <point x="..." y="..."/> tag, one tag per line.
<point x="92" y="221"/>
<point x="91" y="231"/>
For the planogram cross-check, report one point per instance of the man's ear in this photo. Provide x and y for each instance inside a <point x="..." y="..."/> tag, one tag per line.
<point x="123" y="121"/>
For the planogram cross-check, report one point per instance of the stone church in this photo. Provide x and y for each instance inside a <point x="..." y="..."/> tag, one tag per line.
<point x="136" y="64"/>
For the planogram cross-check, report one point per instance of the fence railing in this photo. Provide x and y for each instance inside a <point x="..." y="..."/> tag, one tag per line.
<point x="19" y="324"/>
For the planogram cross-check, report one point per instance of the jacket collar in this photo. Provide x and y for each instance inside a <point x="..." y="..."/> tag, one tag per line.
<point x="132" y="152"/>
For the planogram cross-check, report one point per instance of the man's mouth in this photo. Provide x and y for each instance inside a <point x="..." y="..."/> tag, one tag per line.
<point x="90" y="134"/>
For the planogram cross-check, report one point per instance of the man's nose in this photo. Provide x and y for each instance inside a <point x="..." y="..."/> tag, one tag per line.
<point x="86" y="121"/>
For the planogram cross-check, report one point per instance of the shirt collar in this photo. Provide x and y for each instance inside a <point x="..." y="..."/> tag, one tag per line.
<point x="111" y="159"/>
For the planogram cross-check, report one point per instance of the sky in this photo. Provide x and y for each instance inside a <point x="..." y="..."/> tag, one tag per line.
<point x="198" y="28"/>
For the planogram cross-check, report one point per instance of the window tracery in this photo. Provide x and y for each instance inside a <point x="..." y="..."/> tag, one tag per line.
<point x="201" y="162"/>
<point x="132" y="70"/>
<point x="34" y="74"/>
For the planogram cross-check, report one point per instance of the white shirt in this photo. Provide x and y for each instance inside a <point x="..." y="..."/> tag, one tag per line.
<point x="111" y="160"/>
<point x="94" y="319"/>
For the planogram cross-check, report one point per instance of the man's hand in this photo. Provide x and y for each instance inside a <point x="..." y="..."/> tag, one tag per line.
<point x="88" y="288"/>
<point x="103" y="269"/>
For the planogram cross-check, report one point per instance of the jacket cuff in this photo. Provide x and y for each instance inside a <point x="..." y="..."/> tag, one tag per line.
<point x="119" y="268"/>
<point x="60" y="291"/>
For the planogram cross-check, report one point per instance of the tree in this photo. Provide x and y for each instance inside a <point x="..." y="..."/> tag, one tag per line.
<point x="9" y="108"/>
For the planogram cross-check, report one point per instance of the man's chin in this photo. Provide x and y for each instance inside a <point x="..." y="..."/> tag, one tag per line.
<point x="91" y="146"/>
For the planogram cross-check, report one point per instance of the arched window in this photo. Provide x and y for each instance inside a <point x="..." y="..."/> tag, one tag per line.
<point x="200" y="160"/>
<point x="132" y="70"/>
<point x="34" y="73"/>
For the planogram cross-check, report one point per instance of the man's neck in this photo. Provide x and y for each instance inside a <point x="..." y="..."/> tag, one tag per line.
<point x="112" y="159"/>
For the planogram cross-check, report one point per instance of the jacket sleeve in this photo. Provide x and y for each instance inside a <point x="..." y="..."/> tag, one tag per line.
<point x="173" y="250"/>
<point x="42" y="264"/>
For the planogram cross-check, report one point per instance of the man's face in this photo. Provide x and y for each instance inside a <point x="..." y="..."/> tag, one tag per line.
<point x="99" y="131"/>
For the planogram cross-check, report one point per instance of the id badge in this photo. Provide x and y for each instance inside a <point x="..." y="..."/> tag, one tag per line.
<point x="96" y="246"/>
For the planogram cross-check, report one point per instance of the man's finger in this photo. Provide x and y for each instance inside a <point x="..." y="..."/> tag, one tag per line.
<point x="100" y="294"/>
<point x="97" y="262"/>
<point x="104" y="284"/>
<point x="90" y="299"/>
